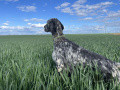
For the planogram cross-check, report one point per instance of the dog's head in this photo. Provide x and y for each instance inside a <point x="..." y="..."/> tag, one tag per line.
<point x="53" y="25"/>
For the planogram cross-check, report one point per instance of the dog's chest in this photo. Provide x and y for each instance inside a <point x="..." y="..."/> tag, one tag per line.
<point x="67" y="52"/>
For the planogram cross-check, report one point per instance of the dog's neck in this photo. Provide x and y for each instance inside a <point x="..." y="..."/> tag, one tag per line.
<point x="57" y="34"/>
<point x="58" y="40"/>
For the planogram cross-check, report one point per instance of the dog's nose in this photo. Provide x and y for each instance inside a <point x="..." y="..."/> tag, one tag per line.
<point x="45" y="26"/>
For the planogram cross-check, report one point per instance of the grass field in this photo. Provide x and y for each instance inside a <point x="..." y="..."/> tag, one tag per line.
<point x="26" y="63"/>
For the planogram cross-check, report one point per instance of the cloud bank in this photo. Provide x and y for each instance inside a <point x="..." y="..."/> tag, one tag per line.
<point x="27" y="8"/>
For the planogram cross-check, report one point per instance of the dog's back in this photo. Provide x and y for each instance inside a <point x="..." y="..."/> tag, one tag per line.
<point x="72" y="54"/>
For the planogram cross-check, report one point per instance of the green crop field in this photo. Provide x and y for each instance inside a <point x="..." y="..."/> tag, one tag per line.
<point x="26" y="63"/>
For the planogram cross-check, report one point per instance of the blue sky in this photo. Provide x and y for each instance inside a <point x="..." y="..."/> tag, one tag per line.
<point x="26" y="17"/>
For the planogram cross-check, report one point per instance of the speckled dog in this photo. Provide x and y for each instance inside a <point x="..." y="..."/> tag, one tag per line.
<point x="67" y="53"/>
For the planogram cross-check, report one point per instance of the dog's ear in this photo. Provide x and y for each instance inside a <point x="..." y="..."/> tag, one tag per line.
<point x="62" y="26"/>
<point x="59" y="25"/>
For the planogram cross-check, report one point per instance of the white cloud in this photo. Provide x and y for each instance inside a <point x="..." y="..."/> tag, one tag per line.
<point x="27" y="8"/>
<point x="99" y="12"/>
<point x="26" y="20"/>
<point x="34" y="19"/>
<point x="92" y="6"/>
<point x="39" y="25"/>
<point x="110" y="15"/>
<point x="105" y="10"/>
<point x="12" y="27"/>
<point x="82" y="12"/>
<point x="77" y="6"/>
<point x="5" y="24"/>
<point x="114" y="14"/>
<point x="58" y="7"/>
<point x="28" y="23"/>
<point x="65" y="4"/>
<point x="79" y="2"/>
<point x="113" y="24"/>
<point x="80" y="8"/>
<point x="75" y="29"/>
<point x="22" y="30"/>
<point x="106" y="3"/>
<point x="87" y="18"/>
<point x="98" y="27"/>
<point x="67" y="10"/>
<point x="95" y="9"/>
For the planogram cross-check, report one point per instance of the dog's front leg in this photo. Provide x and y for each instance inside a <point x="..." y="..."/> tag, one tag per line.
<point x="60" y="65"/>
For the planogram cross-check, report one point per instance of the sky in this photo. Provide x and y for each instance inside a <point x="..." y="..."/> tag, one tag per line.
<point x="28" y="17"/>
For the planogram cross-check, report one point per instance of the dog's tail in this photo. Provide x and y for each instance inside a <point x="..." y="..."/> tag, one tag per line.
<point x="118" y="71"/>
<point x="118" y="65"/>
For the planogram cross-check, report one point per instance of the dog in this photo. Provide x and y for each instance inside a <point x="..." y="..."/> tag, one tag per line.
<point x="67" y="53"/>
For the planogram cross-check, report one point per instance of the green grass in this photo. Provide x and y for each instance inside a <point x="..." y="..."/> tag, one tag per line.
<point x="26" y="63"/>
